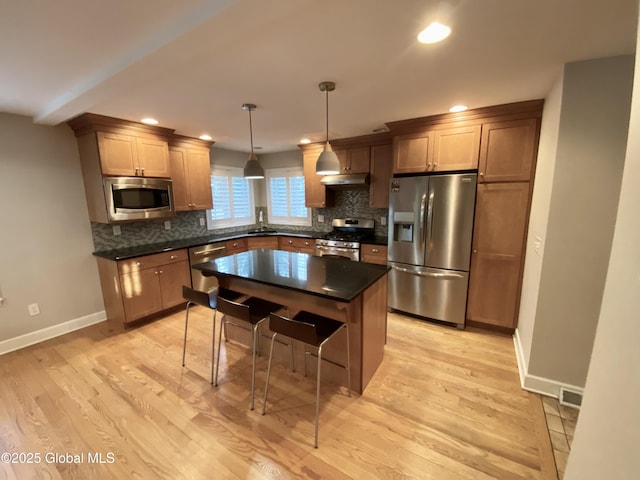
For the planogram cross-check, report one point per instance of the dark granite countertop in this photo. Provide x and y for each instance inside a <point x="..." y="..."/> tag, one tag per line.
<point x="141" y="250"/>
<point x="327" y="277"/>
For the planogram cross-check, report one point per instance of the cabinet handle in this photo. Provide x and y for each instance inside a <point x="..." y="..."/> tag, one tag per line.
<point x="155" y="272"/>
<point x="290" y="242"/>
<point x="173" y="257"/>
<point x="137" y="169"/>
<point x="481" y="174"/>
<point x="429" y="166"/>
<point x="161" y="271"/>
<point x="306" y="244"/>
<point x="475" y="251"/>
<point x="138" y="264"/>
<point x="142" y="170"/>
<point x="374" y="250"/>
<point x="235" y="244"/>
<point x="435" y="165"/>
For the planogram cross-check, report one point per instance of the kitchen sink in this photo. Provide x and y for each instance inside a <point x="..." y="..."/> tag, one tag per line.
<point x="261" y="232"/>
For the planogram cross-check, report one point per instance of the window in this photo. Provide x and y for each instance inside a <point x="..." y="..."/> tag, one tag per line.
<point x="233" y="204"/>
<point x="285" y="197"/>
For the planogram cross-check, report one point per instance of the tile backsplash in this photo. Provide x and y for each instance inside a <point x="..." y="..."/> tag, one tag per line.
<point x="349" y="203"/>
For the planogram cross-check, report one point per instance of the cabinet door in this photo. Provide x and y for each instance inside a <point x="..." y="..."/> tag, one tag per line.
<point x="508" y="150"/>
<point x="236" y="246"/>
<point x="179" y="177"/>
<point x="315" y="194"/>
<point x="496" y="260"/>
<point x="456" y="149"/>
<point x="412" y="153"/>
<point x="199" y="169"/>
<point x="358" y="160"/>
<point x="379" y="176"/>
<point x="153" y="157"/>
<point x="140" y="293"/>
<point x="118" y="154"/>
<point x="172" y="277"/>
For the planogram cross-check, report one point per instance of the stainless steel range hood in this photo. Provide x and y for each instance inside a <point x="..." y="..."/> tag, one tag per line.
<point x="346" y="180"/>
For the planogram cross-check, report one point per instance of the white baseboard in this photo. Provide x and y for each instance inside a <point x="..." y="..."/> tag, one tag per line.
<point x="38" y="336"/>
<point x="533" y="383"/>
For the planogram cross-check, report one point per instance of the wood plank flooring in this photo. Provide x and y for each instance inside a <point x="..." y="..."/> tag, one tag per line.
<point x="445" y="404"/>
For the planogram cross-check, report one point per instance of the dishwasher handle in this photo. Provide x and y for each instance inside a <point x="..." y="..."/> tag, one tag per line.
<point x="427" y="274"/>
<point x="210" y="251"/>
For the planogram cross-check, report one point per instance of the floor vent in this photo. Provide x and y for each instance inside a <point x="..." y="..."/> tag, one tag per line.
<point x="570" y="398"/>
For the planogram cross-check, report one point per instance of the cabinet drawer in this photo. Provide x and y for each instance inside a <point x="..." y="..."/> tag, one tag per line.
<point x="151" y="261"/>
<point x="296" y="242"/>
<point x="236" y="246"/>
<point x="373" y="253"/>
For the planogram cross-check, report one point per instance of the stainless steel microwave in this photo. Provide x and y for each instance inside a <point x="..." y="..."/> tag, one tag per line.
<point x="138" y="198"/>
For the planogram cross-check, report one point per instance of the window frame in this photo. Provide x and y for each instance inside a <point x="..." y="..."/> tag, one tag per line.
<point x="231" y="172"/>
<point x="287" y="172"/>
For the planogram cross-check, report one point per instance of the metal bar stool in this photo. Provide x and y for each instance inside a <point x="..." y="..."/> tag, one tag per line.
<point x="209" y="300"/>
<point x="314" y="330"/>
<point x="253" y="311"/>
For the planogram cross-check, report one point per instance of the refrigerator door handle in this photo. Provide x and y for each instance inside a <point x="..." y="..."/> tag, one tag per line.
<point x="430" y="217"/>
<point x="427" y="274"/>
<point x="423" y="218"/>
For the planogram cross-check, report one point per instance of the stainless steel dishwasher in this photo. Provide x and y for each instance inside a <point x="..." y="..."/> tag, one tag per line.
<point x="202" y="254"/>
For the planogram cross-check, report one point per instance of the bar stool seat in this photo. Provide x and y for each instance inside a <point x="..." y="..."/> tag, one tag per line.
<point x="314" y="330"/>
<point x="252" y="311"/>
<point x="208" y="300"/>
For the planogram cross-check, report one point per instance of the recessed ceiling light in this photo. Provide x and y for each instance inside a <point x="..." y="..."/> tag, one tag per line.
<point x="205" y="137"/>
<point x="150" y="121"/>
<point x="304" y="141"/>
<point x="458" y="108"/>
<point x="436" y="32"/>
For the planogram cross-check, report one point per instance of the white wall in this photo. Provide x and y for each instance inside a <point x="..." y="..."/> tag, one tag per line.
<point x="45" y="239"/>
<point x="538" y="217"/>
<point x="581" y="194"/>
<point x="608" y="431"/>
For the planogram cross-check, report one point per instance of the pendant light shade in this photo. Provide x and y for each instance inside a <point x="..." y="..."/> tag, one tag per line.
<point x="327" y="163"/>
<point x="252" y="169"/>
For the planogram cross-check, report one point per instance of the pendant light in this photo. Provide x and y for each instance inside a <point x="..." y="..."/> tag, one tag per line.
<point x="252" y="169"/>
<point x="327" y="163"/>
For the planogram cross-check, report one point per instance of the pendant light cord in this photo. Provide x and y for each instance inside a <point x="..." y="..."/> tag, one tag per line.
<point x="251" y="130"/>
<point x="326" y="94"/>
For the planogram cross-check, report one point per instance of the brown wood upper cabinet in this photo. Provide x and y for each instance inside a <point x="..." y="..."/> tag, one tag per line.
<point x="129" y="155"/>
<point x="508" y="150"/>
<point x="191" y="174"/>
<point x="441" y="150"/>
<point x="315" y="194"/>
<point x="379" y="175"/>
<point x="354" y="160"/>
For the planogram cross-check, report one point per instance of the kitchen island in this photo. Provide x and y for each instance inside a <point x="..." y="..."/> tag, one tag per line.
<point x="350" y="292"/>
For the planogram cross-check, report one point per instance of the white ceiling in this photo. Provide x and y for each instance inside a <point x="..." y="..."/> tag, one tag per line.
<point x="192" y="64"/>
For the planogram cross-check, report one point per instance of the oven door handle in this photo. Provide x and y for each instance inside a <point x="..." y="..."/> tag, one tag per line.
<point x="336" y="249"/>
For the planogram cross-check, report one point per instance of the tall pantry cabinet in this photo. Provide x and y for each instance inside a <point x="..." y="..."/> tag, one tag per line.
<point x="505" y="172"/>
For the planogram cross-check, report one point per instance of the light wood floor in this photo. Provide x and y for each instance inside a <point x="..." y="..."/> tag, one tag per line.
<point x="445" y="404"/>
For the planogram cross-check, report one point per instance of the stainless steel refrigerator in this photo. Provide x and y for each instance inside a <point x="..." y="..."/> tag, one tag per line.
<point x="430" y="231"/>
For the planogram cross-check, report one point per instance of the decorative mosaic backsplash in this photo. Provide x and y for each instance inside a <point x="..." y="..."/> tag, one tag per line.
<point x="349" y="203"/>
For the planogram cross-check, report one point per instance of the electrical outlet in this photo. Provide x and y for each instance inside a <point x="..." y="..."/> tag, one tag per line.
<point x="320" y="218"/>
<point x="202" y="221"/>
<point x="383" y="221"/>
<point x="117" y="230"/>
<point x="34" y="309"/>
<point x="537" y="245"/>
<point x="167" y="224"/>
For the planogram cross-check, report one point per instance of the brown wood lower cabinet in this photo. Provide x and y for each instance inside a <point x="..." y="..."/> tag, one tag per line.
<point x="297" y="244"/>
<point x="143" y="286"/>
<point x="373" y="253"/>
<point x="269" y="242"/>
<point x="498" y="253"/>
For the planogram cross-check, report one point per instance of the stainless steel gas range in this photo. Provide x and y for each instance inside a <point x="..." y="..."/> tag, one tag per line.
<point x="344" y="240"/>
